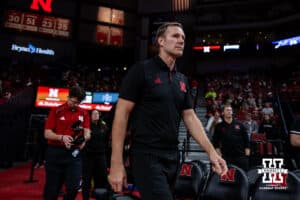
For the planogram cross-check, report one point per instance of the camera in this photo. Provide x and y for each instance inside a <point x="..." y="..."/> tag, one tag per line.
<point x="77" y="136"/>
<point x="78" y="140"/>
<point x="77" y="128"/>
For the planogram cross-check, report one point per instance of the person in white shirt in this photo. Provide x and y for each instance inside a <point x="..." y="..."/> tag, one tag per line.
<point x="211" y="123"/>
<point x="251" y="125"/>
<point x="268" y="110"/>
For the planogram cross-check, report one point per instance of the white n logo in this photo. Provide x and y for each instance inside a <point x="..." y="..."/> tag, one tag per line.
<point x="46" y="5"/>
<point x="53" y="92"/>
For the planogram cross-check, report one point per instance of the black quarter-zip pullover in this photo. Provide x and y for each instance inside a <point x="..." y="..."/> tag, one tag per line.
<point x="160" y="96"/>
<point x="231" y="138"/>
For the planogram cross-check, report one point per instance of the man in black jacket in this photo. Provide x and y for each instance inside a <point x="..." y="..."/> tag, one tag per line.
<point x="94" y="159"/>
<point x="231" y="140"/>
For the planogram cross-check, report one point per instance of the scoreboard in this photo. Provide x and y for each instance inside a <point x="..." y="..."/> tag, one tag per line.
<point x="49" y="25"/>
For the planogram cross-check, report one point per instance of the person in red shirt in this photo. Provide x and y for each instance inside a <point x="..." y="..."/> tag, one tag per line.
<point x="64" y="126"/>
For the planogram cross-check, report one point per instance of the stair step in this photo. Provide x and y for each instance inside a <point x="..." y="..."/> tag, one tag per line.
<point x="202" y="156"/>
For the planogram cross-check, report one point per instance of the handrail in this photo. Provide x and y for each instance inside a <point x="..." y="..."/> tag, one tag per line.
<point x="281" y="114"/>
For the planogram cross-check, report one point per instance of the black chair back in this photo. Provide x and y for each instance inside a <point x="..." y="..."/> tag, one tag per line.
<point x="191" y="180"/>
<point x="233" y="185"/>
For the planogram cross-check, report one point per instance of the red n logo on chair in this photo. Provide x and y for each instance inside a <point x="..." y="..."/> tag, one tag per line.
<point x="229" y="176"/>
<point x="46" y="5"/>
<point x="186" y="169"/>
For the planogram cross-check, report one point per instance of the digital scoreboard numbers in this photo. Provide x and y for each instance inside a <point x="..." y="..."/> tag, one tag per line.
<point x="30" y="22"/>
<point x="63" y="27"/>
<point x="49" y="25"/>
<point x="13" y="19"/>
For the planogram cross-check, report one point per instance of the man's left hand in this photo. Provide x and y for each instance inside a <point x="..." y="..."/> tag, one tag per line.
<point x="82" y="145"/>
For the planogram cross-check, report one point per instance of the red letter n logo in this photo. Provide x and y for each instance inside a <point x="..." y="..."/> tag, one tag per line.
<point x="46" y="5"/>
<point x="186" y="169"/>
<point x="229" y="176"/>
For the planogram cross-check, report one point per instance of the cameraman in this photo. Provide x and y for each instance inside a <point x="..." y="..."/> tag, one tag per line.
<point x="62" y="164"/>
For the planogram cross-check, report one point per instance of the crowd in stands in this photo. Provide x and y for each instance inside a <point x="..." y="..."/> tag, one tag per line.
<point x="252" y="98"/>
<point x="247" y="93"/>
<point x="104" y="79"/>
<point x="15" y="77"/>
<point x="250" y="94"/>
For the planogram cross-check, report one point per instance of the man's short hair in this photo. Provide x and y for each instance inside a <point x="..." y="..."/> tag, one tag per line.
<point x="77" y="92"/>
<point x="226" y="106"/>
<point x="163" y="28"/>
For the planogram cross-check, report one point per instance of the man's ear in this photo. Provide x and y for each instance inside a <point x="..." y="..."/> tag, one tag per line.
<point x="160" y="41"/>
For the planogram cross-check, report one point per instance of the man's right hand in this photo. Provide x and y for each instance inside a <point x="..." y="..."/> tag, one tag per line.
<point x="117" y="177"/>
<point x="67" y="140"/>
<point x="219" y="165"/>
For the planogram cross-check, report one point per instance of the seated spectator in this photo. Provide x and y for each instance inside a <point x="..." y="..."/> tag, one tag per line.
<point x="7" y="95"/>
<point x="248" y="88"/>
<point x="251" y="100"/>
<point x="283" y="88"/>
<point x="269" y="97"/>
<point x="211" y="94"/>
<point x="212" y="107"/>
<point x="268" y="110"/>
<point x="229" y="98"/>
<point x="256" y="115"/>
<point x="243" y="111"/>
<point x="250" y="125"/>
<point x="268" y="127"/>
<point x="259" y="104"/>
<point x="237" y="102"/>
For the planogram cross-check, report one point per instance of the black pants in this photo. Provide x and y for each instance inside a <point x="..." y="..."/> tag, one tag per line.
<point x="239" y="161"/>
<point x="94" y="167"/>
<point x="155" y="174"/>
<point x="62" y="167"/>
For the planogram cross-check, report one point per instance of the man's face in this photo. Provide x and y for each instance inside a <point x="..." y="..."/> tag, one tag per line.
<point x="248" y="117"/>
<point x="73" y="102"/>
<point x="216" y="115"/>
<point x="172" y="42"/>
<point x="7" y="95"/>
<point x="266" y="117"/>
<point x="227" y="112"/>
